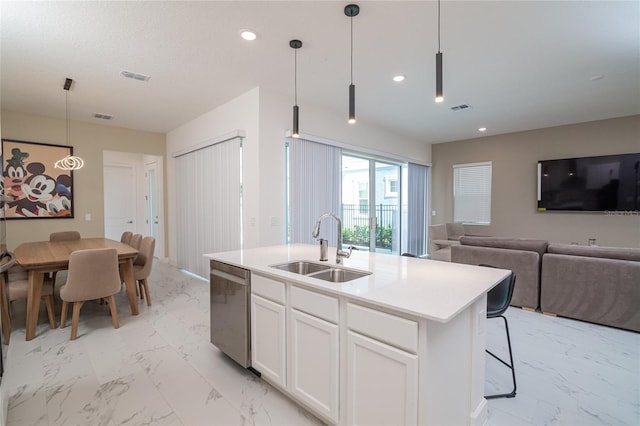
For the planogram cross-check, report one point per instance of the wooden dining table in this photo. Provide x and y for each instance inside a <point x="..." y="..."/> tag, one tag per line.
<point x="41" y="257"/>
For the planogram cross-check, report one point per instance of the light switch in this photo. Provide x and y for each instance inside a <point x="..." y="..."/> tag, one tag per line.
<point x="87" y="216"/>
<point x="433" y="212"/>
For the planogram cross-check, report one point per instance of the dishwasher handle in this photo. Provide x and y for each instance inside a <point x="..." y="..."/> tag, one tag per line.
<point x="229" y="277"/>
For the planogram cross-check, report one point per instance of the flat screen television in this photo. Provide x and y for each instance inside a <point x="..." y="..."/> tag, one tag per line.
<point x="591" y="184"/>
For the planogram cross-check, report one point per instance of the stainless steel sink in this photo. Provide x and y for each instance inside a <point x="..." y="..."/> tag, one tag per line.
<point x="323" y="272"/>
<point x="302" y="268"/>
<point x="339" y="275"/>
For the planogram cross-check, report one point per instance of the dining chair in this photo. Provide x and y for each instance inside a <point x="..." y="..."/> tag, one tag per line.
<point x="126" y="237"/>
<point x="498" y="300"/>
<point x="93" y="274"/>
<point x="14" y="285"/>
<point x="136" y="239"/>
<point x="142" y="267"/>
<point x="62" y="236"/>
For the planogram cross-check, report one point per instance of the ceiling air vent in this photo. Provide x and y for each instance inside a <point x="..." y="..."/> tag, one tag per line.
<point x="460" y="107"/>
<point x="135" y="75"/>
<point x="102" y="116"/>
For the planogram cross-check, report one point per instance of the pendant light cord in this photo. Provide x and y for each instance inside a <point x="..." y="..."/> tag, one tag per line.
<point x="295" y="76"/>
<point x="438" y="26"/>
<point x="351" y="49"/>
<point x="68" y="118"/>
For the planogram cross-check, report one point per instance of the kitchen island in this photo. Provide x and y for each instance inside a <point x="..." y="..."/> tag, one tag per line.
<point x="402" y="345"/>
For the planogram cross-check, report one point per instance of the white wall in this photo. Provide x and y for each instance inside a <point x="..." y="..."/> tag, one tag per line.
<point x="265" y="117"/>
<point x="240" y="113"/>
<point x="276" y="117"/>
<point x="514" y="181"/>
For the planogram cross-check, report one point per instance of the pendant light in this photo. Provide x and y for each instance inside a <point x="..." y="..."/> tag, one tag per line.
<point x="439" y="94"/>
<point x="70" y="162"/>
<point x="295" y="45"/>
<point x="352" y="10"/>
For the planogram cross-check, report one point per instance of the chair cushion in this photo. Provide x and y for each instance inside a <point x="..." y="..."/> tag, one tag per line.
<point x="17" y="290"/>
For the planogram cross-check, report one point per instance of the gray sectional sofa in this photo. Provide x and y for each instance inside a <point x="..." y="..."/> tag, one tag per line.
<point x="594" y="284"/>
<point x="522" y="256"/>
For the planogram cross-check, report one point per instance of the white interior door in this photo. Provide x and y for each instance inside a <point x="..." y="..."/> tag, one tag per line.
<point x="119" y="200"/>
<point x="154" y="218"/>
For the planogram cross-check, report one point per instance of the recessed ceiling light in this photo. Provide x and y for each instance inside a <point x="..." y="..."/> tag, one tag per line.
<point x="398" y="78"/>
<point x="482" y="129"/>
<point x="248" y="35"/>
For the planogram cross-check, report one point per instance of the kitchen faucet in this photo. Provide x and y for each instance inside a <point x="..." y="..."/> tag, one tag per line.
<point x="339" y="252"/>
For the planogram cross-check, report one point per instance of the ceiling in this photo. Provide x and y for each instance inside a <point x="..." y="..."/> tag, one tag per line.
<point x="519" y="65"/>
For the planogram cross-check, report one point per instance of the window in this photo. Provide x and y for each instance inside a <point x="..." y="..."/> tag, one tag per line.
<point x="363" y="197"/>
<point x="390" y="187"/>
<point x="472" y="193"/>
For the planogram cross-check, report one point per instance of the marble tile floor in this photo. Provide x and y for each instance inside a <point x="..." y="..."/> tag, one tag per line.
<point x="159" y="368"/>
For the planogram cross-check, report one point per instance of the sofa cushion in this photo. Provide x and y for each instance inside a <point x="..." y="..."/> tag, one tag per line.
<point x="619" y="253"/>
<point x="539" y="246"/>
<point x="595" y="289"/>
<point x="525" y="264"/>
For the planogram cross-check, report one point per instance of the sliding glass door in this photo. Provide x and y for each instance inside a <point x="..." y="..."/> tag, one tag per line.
<point x="371" y="204"/>
<point x="381" y="202"/>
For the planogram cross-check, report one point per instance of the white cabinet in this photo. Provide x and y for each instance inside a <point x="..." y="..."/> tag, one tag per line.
<point x="382" y="368"/>
<point x="268" y="342"/>
<point x="382" y="383"/>
<point x="314" y="350"/>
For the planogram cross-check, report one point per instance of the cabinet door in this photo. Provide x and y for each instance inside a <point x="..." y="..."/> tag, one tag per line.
<point x="382" y="383"/>
<point x="268" y="339"/>
<point x="314" y="363"/>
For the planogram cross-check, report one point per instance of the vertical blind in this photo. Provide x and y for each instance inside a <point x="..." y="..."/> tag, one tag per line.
<point x="472" y="193"/>
<point x="315" y="186"/>
<point x="417" y="209"/>
<point x="209" y="214"/>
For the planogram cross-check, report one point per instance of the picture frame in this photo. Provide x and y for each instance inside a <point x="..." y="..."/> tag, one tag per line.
<point x="32" y="188"/>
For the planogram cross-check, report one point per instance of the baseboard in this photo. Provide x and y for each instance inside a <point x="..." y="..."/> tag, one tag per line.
<point x="479" y="416"/>
<point x="4" y="405"/>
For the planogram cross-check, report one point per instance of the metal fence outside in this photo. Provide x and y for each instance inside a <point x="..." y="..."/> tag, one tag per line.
<point x="355" y="225"/>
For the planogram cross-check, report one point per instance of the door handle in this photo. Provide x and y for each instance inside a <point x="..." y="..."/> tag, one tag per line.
<point x="130" y="221"/>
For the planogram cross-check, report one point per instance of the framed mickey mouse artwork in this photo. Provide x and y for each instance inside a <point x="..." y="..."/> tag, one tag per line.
<point x="32" y="187"/>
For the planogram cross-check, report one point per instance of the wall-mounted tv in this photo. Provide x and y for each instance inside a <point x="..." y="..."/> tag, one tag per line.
<point x="606" y="183"/>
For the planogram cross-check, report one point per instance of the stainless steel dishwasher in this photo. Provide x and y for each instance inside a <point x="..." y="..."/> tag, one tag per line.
<point x="230" y="293"/>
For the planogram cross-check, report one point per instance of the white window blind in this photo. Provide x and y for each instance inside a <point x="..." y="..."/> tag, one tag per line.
<point x="315" y="187"/>
<point x="472" y="193"/>
<point x="209" y="214"/>
<point x="417" y="210"/>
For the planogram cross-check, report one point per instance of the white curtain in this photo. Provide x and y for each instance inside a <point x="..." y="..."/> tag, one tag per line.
<point x="417" y="210"/>
<point x="315" y="187"/>
<point x="209" y="213"/>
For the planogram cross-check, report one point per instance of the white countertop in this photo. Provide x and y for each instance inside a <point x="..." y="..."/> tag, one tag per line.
<point x="430" y="289"/>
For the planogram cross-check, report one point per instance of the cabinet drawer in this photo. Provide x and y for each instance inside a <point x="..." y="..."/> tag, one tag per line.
<point x="396" y="331"/>
<point x="318" y="305"/>
<point x="267" y="288"/>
